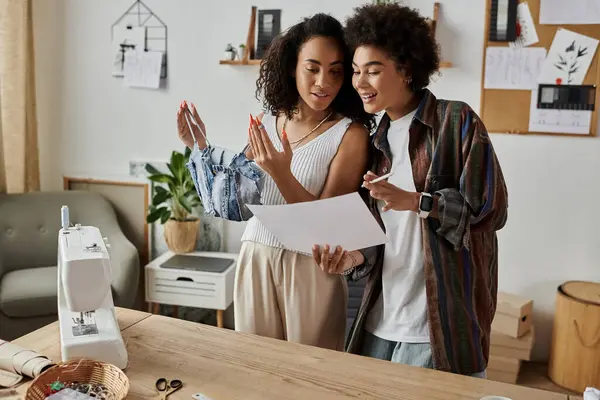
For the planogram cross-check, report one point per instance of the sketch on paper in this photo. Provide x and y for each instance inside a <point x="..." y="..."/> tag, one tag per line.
<point x="124" y="40"/>
<point x="569" y="61"/>
<point x="513" y="68"/>
<point x="569" y="58"/>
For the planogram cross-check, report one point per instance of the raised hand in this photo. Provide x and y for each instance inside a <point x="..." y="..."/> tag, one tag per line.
<point x="188" y="112"/>
<point x="275" y="163"/>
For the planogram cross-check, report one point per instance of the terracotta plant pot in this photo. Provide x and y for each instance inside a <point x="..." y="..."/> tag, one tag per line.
<point x="181" y="236"/>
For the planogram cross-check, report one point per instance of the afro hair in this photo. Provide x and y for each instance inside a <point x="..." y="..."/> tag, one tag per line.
<point x="402" y="33"/>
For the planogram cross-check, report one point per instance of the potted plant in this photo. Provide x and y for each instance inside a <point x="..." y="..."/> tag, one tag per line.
<point x="230" y="52"/>
<point x="173" y="199"/>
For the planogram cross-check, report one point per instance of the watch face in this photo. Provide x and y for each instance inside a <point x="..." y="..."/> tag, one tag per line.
<point x="426" y="203"/>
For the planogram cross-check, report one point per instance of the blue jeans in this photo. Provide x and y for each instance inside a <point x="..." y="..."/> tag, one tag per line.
<point x="225" y="182"/>
<point x="413" y="354"/>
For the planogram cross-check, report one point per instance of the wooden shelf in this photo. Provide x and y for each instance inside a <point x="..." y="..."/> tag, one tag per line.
<point x="433" y="23"/>
<point x="443" y="64"/>
<point x="249" y="50"/>
<point x="240" y="62"/>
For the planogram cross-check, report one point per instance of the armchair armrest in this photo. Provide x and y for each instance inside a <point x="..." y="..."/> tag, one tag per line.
<point x="125" y="263"/>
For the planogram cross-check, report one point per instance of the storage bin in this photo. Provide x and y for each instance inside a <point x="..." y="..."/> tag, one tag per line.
<point x="575" y="351"/>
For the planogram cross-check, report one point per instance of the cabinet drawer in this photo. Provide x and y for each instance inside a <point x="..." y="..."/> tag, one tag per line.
<point x="185" y="289"/>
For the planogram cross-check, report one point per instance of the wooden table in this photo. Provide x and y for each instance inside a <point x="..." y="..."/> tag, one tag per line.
<point x="228" y="365"/>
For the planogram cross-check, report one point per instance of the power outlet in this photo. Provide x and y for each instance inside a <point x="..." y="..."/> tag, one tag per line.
<point x="137" y="168"/>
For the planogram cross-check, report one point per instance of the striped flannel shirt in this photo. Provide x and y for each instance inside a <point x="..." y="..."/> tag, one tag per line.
<point x="452" y="157"/>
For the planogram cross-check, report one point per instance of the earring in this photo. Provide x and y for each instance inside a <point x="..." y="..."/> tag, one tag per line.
<point x="408" y="80"/>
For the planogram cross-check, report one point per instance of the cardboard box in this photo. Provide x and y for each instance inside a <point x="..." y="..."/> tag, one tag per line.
<point x="513" y="315"/>
<point x="503" y="369"/>
<point x="507" y="346"/>
<point x="504" y="364"/>
<point x="501" y="376"/>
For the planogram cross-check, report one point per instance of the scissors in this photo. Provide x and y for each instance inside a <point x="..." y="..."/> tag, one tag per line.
<point x="166" y="387"/>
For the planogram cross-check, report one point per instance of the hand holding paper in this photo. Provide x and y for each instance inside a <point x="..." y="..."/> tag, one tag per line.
<point x="344" y="220"/>
<point x="337" y="262"/>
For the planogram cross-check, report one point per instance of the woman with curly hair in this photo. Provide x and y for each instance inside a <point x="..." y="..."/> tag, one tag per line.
<point x="311" y="143"/>
<point x="431" y="291"/>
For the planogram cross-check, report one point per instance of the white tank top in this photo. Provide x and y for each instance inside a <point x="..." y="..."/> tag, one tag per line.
<point x="310" y="166"/>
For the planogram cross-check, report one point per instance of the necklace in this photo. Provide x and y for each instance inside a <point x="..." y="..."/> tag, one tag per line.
<point x="311" y="131"/>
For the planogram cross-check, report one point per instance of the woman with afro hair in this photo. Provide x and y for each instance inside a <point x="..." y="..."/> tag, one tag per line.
<point x="311" y="143"/>
<point x="431" y="292"/>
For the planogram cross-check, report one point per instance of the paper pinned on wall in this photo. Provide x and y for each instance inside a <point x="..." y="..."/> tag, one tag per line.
<point x="137" y="16"/>
<point x="569" y="12"/>
<point x="126" y="39"/>
<point x="569" y="58"/>
<point x="513" y="68"/>
<point x="558" y="121"/>
<point x="342" y="220"/>
<point x="525" y="27"/>
<point x="142" y="69"/>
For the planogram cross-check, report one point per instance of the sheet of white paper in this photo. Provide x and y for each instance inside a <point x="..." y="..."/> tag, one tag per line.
<point x="558" y="121"/>
<point x="343" y="220"/>
<point x="125" y="39"/>
<point x="513" y="68"/>
<point x="527" y="32"/>
<point x="569" y="12"/>
<point x="568" y="59"/>
<point x="142" y="69"/>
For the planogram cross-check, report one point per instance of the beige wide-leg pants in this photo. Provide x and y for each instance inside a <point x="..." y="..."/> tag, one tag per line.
<point x="285" y="295"/>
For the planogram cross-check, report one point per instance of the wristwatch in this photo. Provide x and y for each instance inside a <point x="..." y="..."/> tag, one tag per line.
<point x="425" y="205"/>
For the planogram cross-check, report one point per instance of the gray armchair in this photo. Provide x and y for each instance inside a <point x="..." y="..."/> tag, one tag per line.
<point x="29" y="225"/>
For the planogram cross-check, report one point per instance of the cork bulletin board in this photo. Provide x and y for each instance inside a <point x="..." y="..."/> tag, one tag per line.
<point x="508" y="111"/>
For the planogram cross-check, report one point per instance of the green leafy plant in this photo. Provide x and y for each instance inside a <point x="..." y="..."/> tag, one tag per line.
<point x="174" y="195"/>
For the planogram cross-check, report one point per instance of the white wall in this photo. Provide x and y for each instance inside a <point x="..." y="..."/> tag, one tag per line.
<point x="91" y="123"/>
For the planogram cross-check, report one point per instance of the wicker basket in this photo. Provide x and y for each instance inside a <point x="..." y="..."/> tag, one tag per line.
<point x="81" y="371"/>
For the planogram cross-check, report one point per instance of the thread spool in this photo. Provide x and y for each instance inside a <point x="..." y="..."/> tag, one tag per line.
<point x="64" y="217"/>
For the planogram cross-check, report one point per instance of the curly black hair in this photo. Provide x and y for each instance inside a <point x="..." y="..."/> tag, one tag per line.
<point x="277" y="85"/>
<point x="402" y="33"/>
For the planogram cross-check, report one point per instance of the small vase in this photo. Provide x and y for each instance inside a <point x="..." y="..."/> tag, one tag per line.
<point x="181" y="236"/>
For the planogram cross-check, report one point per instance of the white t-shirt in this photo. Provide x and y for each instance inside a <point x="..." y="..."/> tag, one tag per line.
<point x="400" y="313"/>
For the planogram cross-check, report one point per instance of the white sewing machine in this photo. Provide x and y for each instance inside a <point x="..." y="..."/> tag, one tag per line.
<point x="88" y="325"/>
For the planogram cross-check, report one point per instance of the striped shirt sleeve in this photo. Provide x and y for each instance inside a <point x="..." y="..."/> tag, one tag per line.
<point x="370" y="255"/>
<point x="481" y="202"/>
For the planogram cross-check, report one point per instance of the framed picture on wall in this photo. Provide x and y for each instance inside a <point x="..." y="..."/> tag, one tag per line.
<point x="269" y="26"/>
